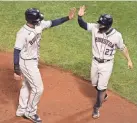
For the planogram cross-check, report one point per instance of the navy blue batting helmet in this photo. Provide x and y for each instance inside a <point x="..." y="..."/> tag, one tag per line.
<point x="33" y="16"/>
<point x="105" y="20"/>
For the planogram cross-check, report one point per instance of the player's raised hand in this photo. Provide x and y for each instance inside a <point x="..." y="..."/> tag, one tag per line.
<point x="81" y="11"/>
<point x="130" y="65"/>
<point x="17" y="77"/>
<point x="72" y="13"/>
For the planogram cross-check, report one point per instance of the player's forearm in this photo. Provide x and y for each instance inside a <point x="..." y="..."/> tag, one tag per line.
<point x="59" y="21"/>
<point x="126" y="54"/>
<point x="16" y="61"/>
<point x="81" y="22"/>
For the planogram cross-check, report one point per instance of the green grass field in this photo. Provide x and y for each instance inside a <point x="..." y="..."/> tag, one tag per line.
<point x="68" y="46"/>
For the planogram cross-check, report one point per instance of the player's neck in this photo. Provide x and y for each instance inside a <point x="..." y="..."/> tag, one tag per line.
<point x="30" y="25"/>
<point x="109" y="31"/>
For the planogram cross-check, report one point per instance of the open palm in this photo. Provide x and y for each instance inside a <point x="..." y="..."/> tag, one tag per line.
<point x="81" y="11"/>
<point x="72" y="13"/>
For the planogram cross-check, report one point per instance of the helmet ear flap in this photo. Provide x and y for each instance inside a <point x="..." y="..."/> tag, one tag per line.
<point x="41" y="17"/>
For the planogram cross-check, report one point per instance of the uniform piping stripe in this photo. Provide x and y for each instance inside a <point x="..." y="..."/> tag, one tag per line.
<point x="104" y="49"/>
<point x="33" y="84"/>
<point x="109" y="32"/>
<point x="96" y="45"/>
<point x="101" y="45"/>
<point x="112" y="33"/>
<point x="98" y="80"/>
<point x="32" y="81"/>
<point x="28" y="76"/>
<point x="29" y="30"/>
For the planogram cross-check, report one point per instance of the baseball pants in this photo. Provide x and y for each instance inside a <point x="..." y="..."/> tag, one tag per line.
<point x="100" y="73"/>
<point x="32" y="88"/>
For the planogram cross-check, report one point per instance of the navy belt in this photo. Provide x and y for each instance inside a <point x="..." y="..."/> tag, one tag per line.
<point x="101" y="60"/>
<point x="30" y="59"/>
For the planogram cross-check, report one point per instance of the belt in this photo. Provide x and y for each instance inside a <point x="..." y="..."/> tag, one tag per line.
<point x="29" y="59"/>
<point x="101" y="60"/>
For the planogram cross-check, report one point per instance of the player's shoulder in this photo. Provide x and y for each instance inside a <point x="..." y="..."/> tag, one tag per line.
<point x="92" y="26"/>
<point x="117" y="32"/>
<point x="23" y="31"/>
<point x="116" y="35"/>
<point x="45" y="23"/>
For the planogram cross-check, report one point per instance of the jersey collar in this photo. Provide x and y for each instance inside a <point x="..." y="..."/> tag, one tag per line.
<point x="109" y="31"/>
<point x="28" y="28"/>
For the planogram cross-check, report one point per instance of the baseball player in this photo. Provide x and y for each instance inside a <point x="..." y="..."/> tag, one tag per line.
<point x="105" y="41"/>
<point x="26" y="56"/>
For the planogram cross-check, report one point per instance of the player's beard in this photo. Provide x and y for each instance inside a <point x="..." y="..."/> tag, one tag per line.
<point x="102" y="28"/>
<point x="36" y="23"/>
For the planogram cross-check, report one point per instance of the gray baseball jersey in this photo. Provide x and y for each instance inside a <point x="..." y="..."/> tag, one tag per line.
<point x="28" y="40"/>
<point x="104" y="46"/>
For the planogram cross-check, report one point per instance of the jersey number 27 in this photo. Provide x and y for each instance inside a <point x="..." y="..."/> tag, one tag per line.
<point x="109" y="52"/>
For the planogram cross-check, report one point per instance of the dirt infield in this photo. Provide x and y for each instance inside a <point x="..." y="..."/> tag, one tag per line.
<point x="66" y="99"/>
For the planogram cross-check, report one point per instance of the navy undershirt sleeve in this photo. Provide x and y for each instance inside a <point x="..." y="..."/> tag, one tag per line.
<point x="59" y="21"/>
<point x="81" y="22"/>
<point x="16" y="61"/>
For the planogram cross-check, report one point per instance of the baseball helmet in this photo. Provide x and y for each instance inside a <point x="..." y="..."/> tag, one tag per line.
<point x="33" y="16"/>
<point x="106" y="20"/>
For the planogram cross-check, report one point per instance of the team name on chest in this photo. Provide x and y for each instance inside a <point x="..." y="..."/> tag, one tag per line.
<point x="104" y="41"/>
<point x="36" y="37"/>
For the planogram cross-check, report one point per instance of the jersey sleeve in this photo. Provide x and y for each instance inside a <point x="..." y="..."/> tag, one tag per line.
<point x="45" y="24"/>
<point x="120" y="44"/>
<point x="20" y="41"/>
<point x="90" y="26"/>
